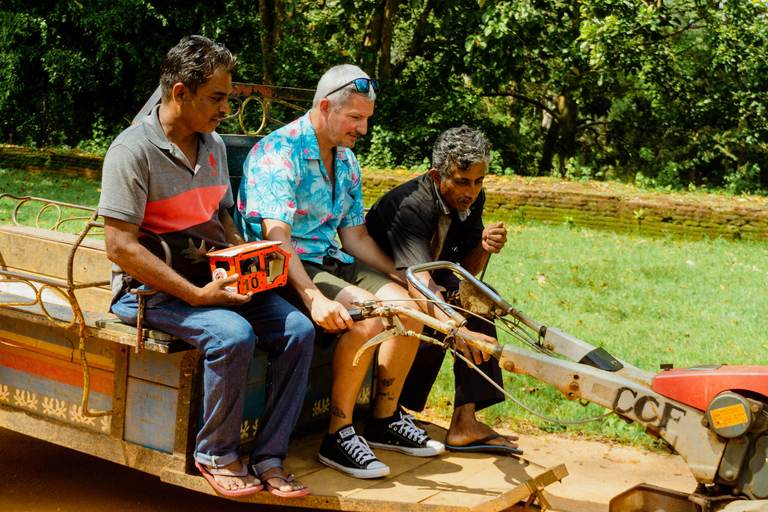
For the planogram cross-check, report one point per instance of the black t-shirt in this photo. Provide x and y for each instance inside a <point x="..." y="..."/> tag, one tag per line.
<point x="413" y="225"/>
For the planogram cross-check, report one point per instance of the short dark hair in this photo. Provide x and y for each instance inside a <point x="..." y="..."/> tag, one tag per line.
<point x="462" y="148"/>
<point x="193" y="62"/>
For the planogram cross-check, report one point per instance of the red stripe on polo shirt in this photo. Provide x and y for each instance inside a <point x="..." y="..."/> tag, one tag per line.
<point x="184" y="210"/>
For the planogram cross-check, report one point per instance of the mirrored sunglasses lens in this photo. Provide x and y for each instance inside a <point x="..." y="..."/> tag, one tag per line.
<point x="375" y="85"/>
<point x="362" y="85"/>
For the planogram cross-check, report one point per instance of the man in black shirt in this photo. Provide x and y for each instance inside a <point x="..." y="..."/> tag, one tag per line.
<point x="438" y="216"/>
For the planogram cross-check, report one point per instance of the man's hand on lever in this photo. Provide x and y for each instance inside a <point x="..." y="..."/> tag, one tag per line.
<point x="473" y="353"/>
<point x="330" y="315"/>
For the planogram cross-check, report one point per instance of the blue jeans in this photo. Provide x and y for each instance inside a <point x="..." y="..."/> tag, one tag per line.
<point x="226" y="338"/>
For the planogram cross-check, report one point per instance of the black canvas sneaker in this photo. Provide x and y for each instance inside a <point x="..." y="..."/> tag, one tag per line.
<point x="398" y="433"/>
<point x="350" y="454"/>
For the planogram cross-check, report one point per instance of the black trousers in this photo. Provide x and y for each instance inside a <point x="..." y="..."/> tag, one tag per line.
<point x="471" y="387"/>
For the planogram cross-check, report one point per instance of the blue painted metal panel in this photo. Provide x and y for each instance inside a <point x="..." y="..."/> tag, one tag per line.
<point x="51" y="399"/>
<point x="156" y="367"/>
<point x="150" y="415"/>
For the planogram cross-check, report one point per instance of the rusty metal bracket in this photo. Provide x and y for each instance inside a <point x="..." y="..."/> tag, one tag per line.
<point x="119" y="392"/>
<point x="187" y="409"/>
<point x="141" y="298"/>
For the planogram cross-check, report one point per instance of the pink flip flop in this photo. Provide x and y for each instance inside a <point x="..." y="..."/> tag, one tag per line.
<point x="284" y="494"/>
<point x="209" y="474"/>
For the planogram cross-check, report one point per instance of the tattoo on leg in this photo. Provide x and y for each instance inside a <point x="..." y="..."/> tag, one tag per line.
<point x="385" y="383"/>
<point x="338" y="412"/>
<point x="386" y="396"/>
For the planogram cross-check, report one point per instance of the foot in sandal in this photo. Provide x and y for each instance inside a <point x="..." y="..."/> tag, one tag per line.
<point x="231" y="480"/>
<point x="278" y="483"/>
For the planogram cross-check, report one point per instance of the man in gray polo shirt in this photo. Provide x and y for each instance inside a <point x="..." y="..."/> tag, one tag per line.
<point x="167" y="174"/>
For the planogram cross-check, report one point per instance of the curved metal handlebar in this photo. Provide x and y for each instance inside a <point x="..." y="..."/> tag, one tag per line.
<point x="436" y="265"/>
<point x="487" y="290"/>
<point x="393" y="310"/>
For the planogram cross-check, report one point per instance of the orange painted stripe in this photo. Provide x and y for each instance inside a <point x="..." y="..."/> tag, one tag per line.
<point x="184" y="210"/>
<point x="49" y="349"/>
<point x="55" y="369"/>
<point x="68" y="354"/>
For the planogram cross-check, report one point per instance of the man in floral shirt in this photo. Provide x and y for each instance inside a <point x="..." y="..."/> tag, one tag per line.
<point x="301" y="186"/>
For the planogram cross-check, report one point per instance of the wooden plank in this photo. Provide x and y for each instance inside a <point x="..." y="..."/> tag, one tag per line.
<point x="448" y="482"/>
<point x="44" y="253"/>
<point x="465" y="493"/>
<point x="29" y="248"/>
<point x="441" y="481"/>
<point x="52" y="341"/>
<point x="499" y="480"/>
<point x="472" y="483"/>
<point x="103" y="326"/>
<point x="37" y="338"/>
<point x="117" y="426"/>
<point x="156" y="367"/>
<point x="97" y="445"/>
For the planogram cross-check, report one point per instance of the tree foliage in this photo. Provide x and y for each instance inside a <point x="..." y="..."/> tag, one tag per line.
<point x="670" y="92"/>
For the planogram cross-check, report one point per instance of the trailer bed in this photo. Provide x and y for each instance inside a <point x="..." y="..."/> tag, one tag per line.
<point x="449" y="483"/>
<point x="452" y="482"/>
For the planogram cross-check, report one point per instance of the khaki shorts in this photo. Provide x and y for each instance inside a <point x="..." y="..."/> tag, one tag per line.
<point x="331" y="277"/>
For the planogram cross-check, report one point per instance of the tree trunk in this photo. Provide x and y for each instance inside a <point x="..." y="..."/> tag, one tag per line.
<point x="569" y="122"/>
<point x="378" y="39"/>
<point x="379" y="36"/>
<point x="549" y="148"/>
<point x="372" y="38"/>
<point x="271" y="16"/>
<point x="385" y="51"/>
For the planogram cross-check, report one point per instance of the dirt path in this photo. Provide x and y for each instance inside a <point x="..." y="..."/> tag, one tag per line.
<point x="599" y="471"/>
<point x="42" y="477"/>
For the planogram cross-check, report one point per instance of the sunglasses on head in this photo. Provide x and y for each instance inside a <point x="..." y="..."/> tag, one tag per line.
<point x="361" y="84"/>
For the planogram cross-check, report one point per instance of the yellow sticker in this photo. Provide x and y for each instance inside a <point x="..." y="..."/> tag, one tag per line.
<point x="729" y="416"/>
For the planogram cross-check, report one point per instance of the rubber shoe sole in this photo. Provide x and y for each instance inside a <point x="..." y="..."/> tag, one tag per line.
<point x="375" y="469"/>
<point x="433" y="448"/>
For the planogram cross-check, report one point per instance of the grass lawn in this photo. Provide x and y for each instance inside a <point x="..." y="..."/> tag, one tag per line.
<point x="646" y="300"/>
<point x="52" y="186"/>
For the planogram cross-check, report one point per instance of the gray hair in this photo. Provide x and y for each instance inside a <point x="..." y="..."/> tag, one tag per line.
<point x="336" y="77"/>
<point x="461" y="148"/>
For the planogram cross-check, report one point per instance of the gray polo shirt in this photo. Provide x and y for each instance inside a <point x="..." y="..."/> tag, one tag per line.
<point x="147" y="181"/>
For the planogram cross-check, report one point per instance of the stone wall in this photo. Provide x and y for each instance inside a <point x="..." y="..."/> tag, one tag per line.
<point x="693" y="216"/>
<point x="593" y="205"/>
<point x="66" y="162"/>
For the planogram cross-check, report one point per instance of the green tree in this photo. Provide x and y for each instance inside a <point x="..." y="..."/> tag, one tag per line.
<point x="617" y="81"/>
<point x="670" y="90"/>
<point x="67" y="66"/>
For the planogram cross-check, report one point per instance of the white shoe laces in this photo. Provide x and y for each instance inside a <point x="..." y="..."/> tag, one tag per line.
<point x="358" y="448"/>
<point x="406" y="427"/>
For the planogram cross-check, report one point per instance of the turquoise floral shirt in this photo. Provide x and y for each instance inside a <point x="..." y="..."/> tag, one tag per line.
<point x="284" y="179"/>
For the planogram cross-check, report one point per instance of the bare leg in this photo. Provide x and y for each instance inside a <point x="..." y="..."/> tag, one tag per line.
<point x="465" y="428"/>
<point x="347" y="379"/>
<point x="395" y="356"/>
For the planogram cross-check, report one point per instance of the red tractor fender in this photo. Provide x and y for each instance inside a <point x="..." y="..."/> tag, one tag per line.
<point x="698" y="385"/>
